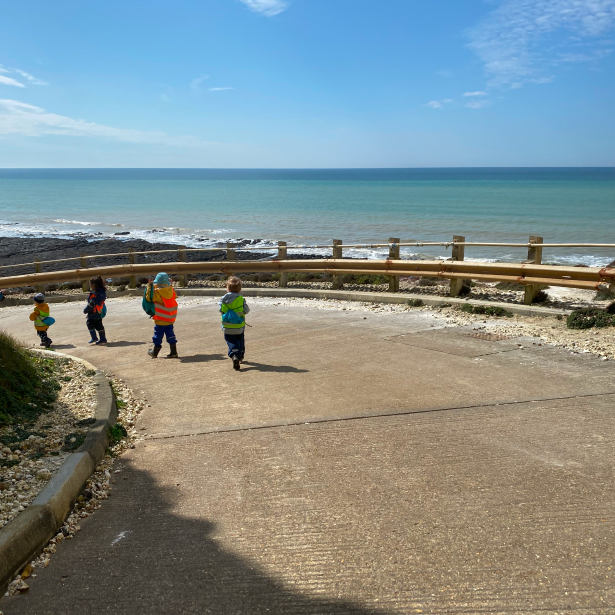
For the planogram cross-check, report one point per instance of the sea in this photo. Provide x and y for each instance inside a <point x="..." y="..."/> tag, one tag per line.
<point x="310" y="207"/>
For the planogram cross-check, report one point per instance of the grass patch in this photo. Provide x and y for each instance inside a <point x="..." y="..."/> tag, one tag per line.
<point x="589" y="318"/>
<point x="27" y="382"/>
<point x="487" y="310"/>
<point x="117" y="433"/>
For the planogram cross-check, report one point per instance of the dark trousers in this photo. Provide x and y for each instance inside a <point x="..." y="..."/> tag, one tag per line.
<point x="95" y="323"/>
<point x="160" y="331"/>
<point x="236" y="345"/>
<point x="44" y="337"/>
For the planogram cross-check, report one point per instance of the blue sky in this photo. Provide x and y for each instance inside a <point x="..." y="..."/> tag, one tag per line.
<point x="307" y="83"/>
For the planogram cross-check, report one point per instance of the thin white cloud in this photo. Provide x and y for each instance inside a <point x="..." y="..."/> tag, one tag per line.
<point x="475" y="94"/>
<point x="512" y="40"/>
<point x="33" y="80"/>
<point x="438" y="104"/>
<point x="19" y="118"/>
<point x="269" y="8"/>
<point x="196" y="84"/>
<point x="10" y="81"/>
<point x="444" y="73"/>
<point x="220" y="89"/>
<point x="477" y="104"/>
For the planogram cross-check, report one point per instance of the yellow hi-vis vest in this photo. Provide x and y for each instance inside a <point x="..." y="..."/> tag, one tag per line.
<point x="39" y="319"/>
<point x="237" y="306"/>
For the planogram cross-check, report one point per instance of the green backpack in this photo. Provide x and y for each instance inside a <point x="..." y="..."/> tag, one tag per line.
<point x="148" y="306"/>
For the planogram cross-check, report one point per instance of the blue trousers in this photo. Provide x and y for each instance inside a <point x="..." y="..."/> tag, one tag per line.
<point x="160" y="331"/>
<point x="236" y="345"/>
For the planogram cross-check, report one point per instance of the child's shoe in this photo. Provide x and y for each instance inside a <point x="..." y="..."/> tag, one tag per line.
<point x="173" y="354"/>
<point x="94" y="339"/>
<point x="48" y="343"/>
<point x="236" y="362"/>
<point x="153" y="352"/>
<point x="103" y="338"/>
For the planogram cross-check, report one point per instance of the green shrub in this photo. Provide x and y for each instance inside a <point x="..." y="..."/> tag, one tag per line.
<point x="604" y="295"/>
<point x="488" y="310"/>
<point x="364" y="278"/>
<point x="27" y="383"/>
<point x="415" y="302"/>
<point x="588" y="318"/>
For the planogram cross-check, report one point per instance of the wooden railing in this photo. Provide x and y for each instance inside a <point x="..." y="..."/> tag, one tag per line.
<point x="531" y="273"/>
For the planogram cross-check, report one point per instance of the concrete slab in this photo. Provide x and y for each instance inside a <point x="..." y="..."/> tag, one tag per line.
<point x="490" y="510"/>
<point x="480" y="484"/>
<point x="463" y="342"/>
<point x="308" y="363"/>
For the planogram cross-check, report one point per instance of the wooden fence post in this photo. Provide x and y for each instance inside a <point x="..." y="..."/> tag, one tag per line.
<point x="181" y="256"/>
<point x="338" y="279"/>
<point x="534" y="255"/>
<point x="84" y="263"/>
<point x="458" y="254"/>
<point x="131" y="260"/>
<point x="394" y="255"/>
<point x="230" y="254"/>
<point x="37" y="267"/>
<point x="282" y="255"/>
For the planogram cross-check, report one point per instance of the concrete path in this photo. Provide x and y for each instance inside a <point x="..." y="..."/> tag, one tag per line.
<point x="359" y="463"/>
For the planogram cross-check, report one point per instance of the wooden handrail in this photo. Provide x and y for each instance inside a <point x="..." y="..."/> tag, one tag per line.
<point x="522" y="273"/>
<point x="363" y="246"/>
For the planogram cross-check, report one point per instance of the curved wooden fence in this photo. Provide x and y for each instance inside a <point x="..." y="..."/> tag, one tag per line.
<point x="592" y="278"/>
<point x="531" y="273"/>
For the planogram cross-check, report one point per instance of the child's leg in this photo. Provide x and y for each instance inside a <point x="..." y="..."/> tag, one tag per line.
<point x="234" y="345"/>
<point x="170" y="333"/>
<point x="92" y="329"/>
<point x="158" y="335"/>
<point x="101" y="332"/>
<point x="45" y="339"/>
<point x="241" y="345"/>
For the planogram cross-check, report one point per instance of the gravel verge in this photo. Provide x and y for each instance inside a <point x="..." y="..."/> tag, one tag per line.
<point x="97" y="488"/>
<point x="49" y="493"/>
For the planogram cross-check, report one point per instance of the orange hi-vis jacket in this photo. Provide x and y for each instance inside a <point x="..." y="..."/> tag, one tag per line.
<point x="165" y="302"/>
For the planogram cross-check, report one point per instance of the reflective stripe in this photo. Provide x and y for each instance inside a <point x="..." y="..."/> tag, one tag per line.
<point x="166" y="312"/>
<point x="39" y="319"/>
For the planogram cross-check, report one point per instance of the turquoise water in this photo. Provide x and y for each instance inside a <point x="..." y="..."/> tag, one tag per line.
<point x="200" y="208"/>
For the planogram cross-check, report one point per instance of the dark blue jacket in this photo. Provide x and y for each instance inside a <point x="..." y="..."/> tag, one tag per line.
<point x="96" y="301"/>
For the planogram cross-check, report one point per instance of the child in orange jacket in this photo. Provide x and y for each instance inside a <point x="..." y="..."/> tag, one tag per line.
<point x="41" y="318"/>
<point x="163" y="296"/>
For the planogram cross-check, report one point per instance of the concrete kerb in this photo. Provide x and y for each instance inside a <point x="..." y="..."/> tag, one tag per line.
<point x="24" y="537"/>
<point x="299" y="293"/>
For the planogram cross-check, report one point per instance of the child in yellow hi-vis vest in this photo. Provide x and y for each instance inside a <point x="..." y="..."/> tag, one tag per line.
<point x="234" y="309"/>
<point x="41" y="318"/>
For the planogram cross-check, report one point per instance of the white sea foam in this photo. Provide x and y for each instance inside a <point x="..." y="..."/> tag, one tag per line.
<point x="80" y="223"/>
<point x="218" y="238"/>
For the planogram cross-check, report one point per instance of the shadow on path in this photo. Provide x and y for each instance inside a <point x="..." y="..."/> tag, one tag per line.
<point x="135" y="556"/>
<point x="263" y="367"/>
<point x="62" y="346"/>
<point x="122" y="344"/>
<point x="202" y="358"/>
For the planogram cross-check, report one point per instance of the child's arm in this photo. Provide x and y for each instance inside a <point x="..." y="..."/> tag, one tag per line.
<point x="246" y="307"/>
<point x="34" y="314"/>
